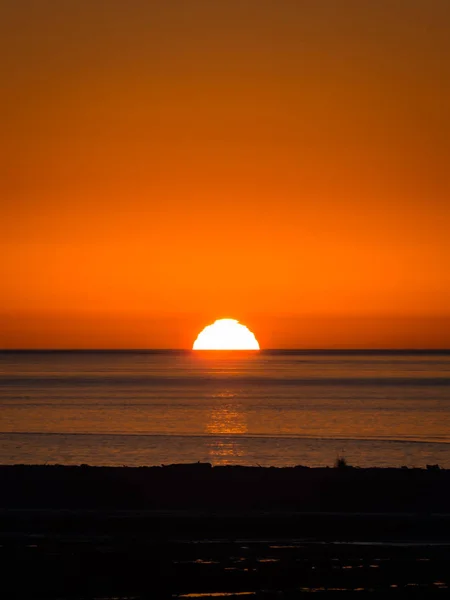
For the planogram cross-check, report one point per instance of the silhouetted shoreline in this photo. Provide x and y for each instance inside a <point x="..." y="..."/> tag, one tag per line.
<point x="201" y="486"/>
<point x="85" y="532"/>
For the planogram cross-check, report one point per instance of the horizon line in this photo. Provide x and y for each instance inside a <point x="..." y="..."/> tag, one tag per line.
<point x="301" y="350"/>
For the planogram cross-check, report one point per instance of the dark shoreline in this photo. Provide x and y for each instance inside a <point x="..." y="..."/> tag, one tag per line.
<point x="201" y="486"/>
<point x="198" y="500"/>
<point x="161" y="532"/>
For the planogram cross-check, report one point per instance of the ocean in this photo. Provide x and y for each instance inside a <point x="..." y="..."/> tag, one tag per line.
<point x="263" y="408"/>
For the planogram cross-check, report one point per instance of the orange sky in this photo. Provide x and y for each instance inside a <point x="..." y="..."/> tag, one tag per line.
<point x="164" y="164"/>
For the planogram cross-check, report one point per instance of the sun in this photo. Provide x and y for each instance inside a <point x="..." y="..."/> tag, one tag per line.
<point x="226" y="334"/>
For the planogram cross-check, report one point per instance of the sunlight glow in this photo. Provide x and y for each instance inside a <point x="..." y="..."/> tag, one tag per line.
<point x="226" y="334"/>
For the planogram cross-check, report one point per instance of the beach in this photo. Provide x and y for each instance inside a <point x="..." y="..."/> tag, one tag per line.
<point x="198" y="530"/>
<point x="170" y="474"/>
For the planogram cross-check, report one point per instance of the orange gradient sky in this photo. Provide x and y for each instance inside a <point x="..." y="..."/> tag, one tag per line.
<point x="164" y="164"/>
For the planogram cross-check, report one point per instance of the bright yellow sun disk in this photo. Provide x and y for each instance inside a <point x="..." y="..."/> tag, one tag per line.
<point x="226" y="334"/>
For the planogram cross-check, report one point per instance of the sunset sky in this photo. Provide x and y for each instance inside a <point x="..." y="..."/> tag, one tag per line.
<point x="166" y="163"/>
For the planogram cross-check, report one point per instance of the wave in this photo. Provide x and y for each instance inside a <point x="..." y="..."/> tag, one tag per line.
<point x="435" y="440"/>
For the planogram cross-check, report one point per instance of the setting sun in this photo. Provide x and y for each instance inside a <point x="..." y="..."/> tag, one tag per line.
<point x="226" y="334"/>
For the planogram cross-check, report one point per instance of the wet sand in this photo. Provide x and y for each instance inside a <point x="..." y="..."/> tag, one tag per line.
<point x="182" y="531"/>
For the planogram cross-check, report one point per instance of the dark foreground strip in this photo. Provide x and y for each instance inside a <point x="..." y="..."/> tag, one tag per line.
<point x="74" y="555"/>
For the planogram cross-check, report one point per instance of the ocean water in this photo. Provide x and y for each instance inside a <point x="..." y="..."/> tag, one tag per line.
<point x="254" y="408"/>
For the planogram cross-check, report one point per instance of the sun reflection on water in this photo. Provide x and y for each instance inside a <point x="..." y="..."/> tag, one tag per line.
<point x="227" y="420"/>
